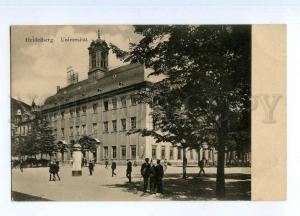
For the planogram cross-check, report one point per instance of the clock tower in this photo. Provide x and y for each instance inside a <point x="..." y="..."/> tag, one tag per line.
<point x="98" y="58"/>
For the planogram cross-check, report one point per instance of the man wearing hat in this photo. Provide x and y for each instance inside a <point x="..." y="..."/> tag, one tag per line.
<point x="159" y="173"/>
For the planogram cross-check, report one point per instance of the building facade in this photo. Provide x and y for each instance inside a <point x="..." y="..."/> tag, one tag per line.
<point x="104" y="107"/>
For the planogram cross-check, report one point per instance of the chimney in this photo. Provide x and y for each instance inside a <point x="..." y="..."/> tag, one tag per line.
<point x="57" y="89"/>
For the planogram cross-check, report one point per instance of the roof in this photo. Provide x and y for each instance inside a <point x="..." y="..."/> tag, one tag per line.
<point x="19" y="105"/>
<point x="117" y="78"/>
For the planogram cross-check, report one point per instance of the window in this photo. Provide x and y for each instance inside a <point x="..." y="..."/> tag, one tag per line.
<point x="114" y="152"/>
<point x="133" y="99"/>
<point x="55" y="132"/>
<point x="123" y="101"/>
<point x="83" y="129"/>
<point x="191" y="154"/>
<point x="84" y="110"/>
<point x="95" y="108"/>
<point x="105" y="125"/>
<point x="71" y="113"/>
<point x="77" y="131"/>
<point x="163" y="152"/>
<point x="71" y="131"/>
<point x="77" y="111"/>
<point x="123" y="124"/>
<point x="55" y="116"/>
<point x="62" y="132"/>
<point x="154" y="151"/>
<point x="133" y="122"/>
<point x="123" y="152"/>
<point x="178" y="153"/>
<point x="94" y="128"/>
<point x="171" y="153"/>
<point x="105" y="105"/>
<point x="114" y="103"/>
<point x="114" y="124"/>
<point x="62" y="115"/>
<point x="133" y="151"/>
<point x="93" y="60"/>
<point x="105" y="152"/>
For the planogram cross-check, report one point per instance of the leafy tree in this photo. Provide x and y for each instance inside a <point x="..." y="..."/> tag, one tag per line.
<point x="47" y="139"/>
<point x="207" y="75"/>
<point x="88" y="144"/>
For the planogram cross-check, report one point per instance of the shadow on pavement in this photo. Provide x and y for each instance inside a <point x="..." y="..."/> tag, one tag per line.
<point x="238" y="187"/>
<point x="17" y="196"/>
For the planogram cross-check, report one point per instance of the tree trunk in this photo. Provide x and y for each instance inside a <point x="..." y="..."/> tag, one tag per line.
<point x="184" y="163"/>
<point x="220" y="184"/>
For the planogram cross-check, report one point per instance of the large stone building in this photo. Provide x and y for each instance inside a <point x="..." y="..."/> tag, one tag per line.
<point x="104" y="107"/>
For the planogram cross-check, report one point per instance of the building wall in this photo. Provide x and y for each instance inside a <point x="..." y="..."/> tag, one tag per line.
<point x="94" y="124"/>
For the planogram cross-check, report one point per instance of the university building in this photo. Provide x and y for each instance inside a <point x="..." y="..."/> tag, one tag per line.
<point x="104" y="106"/>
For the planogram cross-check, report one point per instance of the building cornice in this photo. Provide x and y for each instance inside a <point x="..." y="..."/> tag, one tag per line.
<point x="97" y="97"/>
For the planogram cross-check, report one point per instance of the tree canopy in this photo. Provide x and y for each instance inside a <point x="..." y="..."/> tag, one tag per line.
<point x="206" y="86"/>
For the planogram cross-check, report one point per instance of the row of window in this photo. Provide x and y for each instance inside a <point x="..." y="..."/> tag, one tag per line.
<point x="114" y="105"/>
<point x="105" y="127"/>
<point x="123" y="152"/>
<point x="171" y="153"/>
<point x="123" y="125"/>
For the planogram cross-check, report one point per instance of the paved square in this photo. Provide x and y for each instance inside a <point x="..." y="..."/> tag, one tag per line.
<point x="101" y="186"/>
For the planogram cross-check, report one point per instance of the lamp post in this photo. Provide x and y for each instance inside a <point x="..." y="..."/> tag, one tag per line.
<point x="77" y="156"/>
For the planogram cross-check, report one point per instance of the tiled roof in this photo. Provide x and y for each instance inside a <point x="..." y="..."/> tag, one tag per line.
<point x="114" y="79"/>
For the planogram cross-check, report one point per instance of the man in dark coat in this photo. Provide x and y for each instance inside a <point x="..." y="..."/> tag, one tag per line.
<point x="159" y="174"/>
<point x="21" y="165"/>
<point x="152" y="178"/>
<point x="52" y="171"/>
<point x="113" y="168"/>
<point x="106" y="163"/>
<point x="91" y="167"/>
<point x="201" y="166"/>
<point x="129" y="170"/>
<point x="145" y="172"/>
<point x="56" y="170"/>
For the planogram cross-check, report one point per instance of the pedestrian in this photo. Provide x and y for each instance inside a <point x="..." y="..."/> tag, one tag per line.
<point x="52" y="171"/>
<point x="106" y="163"/>
<point x="159" y="174"/>
<point x="82" y="162"/>
<point x="152" y="178"/>
<point x="129" y="170"/>
<point x="85" y="162"/>
<point x="56" y="170"/>
<point x="134" y="163"/>
<point x="201" y="166"/>
<point x="145" y="172"/>
<point x="91" y="167"/>
<point x="165" y="164"/>
<point x="21" y="165"/>
<point x="113" y="168"/>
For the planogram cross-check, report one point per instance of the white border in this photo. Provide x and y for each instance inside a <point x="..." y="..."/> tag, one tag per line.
<point x="138" y="12"/>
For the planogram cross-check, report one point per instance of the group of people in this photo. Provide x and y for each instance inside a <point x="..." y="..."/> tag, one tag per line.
<point x="151" y="172"/>
<point x="152" y="175"/>
<point x="54" y="170"/>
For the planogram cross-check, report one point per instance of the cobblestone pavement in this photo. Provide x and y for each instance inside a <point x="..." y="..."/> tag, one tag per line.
<point x="101" y="186"/>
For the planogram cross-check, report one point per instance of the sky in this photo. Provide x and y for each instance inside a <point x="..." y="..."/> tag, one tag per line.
<point x="38" y="67"/>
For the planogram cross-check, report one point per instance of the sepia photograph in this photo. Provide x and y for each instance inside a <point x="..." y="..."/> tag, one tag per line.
<point x="131" y="112"/>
